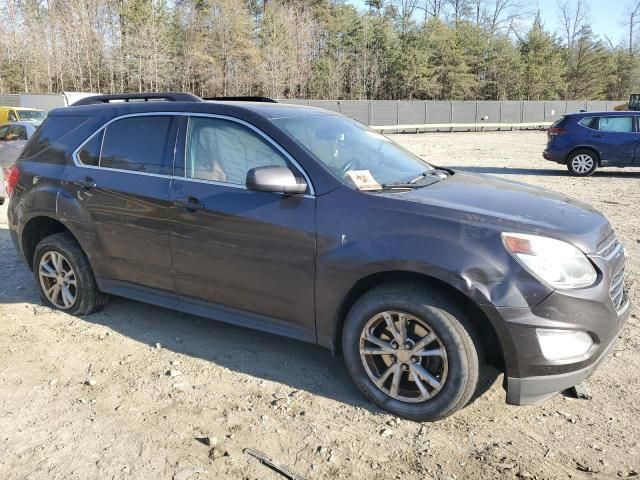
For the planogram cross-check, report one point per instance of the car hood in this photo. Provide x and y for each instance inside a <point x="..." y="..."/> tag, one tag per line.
<point x="514" y="206"/>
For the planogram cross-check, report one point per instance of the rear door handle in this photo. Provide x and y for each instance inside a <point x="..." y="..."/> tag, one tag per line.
<point x="191" y="204"/>
<point x="596" y="135"/>
<point x="87" y="183"/>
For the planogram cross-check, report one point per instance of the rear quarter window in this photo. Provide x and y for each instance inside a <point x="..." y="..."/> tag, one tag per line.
<point x="52" y="131"/>
<point x="586" y="122"/>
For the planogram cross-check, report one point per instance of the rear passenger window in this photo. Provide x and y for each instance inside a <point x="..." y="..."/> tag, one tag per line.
<point x="224" y="151"/>
<point x="139" y="144"/>
<point x="616" y="124"/>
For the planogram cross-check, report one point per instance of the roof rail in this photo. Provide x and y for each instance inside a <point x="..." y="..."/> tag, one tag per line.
<point x="138" y="97"/>
<point x="241" y="99"/>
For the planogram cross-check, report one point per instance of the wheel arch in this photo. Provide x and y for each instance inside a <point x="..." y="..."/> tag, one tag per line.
<point x="585" y="147"/>
<point x="485" y="328"/>
<point x="37" y="229"/>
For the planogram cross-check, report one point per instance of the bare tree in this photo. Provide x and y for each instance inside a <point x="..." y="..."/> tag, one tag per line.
<point x="573" y="15"/>
<point x="633" y="21"/>
<point x="502" y="15"/>
<point x="432" y="8"/>
<point x="460" y="8"/>
<point x="404" y="10"/>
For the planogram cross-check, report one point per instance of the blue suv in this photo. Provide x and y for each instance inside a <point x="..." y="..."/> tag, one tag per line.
<point x="586" y="141"/>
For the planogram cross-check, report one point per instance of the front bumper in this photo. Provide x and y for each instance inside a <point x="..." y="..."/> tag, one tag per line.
<point x="597" y="310"/>
<point x="532" y="390"/>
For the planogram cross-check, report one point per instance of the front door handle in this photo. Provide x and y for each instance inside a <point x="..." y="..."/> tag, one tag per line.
<point x="192" y="204"/>
<point x="596" y="135"/>
<point x="87" y="183"/>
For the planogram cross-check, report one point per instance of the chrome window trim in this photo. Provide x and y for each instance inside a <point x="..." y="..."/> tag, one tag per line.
<point x="78" y="163"/>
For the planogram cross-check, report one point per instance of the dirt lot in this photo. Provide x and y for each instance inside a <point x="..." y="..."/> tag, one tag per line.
<point x="89" y="398"/>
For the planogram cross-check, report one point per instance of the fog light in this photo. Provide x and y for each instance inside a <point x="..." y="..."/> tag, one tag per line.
<point x="563" y="344"/>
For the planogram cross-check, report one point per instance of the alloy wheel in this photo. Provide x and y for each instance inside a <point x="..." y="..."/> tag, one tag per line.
<point x="582" y="163"/>
<point x="58" y="280"/>
<point x="403" y="356"/>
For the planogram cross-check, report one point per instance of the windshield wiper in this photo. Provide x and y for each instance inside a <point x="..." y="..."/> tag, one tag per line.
<point x="399" y="186"/>
<point x="439" y="174"/>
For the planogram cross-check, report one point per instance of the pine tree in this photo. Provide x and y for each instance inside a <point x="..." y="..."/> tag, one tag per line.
<point x="588" y="67"/>
<point x="543" y="65"/>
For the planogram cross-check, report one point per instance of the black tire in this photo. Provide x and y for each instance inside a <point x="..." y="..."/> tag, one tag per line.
<point x="463" y="348"/>
<point x="88" y="298"/>
<point x="577" y="166"/>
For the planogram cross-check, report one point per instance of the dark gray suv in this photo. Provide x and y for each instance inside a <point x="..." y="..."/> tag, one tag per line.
<point x="304" y="223"/>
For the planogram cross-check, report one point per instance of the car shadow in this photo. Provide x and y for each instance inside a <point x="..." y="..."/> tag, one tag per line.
<point x="541" y="172"/>
<point x="300" y="365"/>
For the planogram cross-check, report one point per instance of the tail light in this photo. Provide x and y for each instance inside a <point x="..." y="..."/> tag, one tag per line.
<point x="11" y="176"/>
<point x="555" y="131"/>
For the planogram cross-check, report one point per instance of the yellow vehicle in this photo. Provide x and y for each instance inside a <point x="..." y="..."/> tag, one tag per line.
<point x="21" y="114"/>
<point x="633" y="105"/>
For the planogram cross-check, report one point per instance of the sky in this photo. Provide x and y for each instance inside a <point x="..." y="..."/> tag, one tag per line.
<point x="606" y="16"/>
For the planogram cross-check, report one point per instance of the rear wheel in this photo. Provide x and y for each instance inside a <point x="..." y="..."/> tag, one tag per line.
<point x="64" y="278"/>
<point x="582" y="163"/>
<point x="411" y="351"/>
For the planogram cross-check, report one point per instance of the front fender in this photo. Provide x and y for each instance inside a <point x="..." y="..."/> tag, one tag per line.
<point x="468" y="256"/>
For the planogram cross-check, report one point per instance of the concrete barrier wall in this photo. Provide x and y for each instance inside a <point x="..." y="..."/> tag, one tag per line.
<point x="402" y="112"/>
<point x="424" y="112"/>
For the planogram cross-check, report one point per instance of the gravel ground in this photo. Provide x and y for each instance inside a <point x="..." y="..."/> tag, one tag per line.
<point x="90" y="398"/>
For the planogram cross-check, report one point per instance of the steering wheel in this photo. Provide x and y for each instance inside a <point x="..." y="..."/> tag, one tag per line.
<point x="352" y="164"/>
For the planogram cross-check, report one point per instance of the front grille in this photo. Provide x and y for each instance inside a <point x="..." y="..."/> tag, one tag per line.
<point x="617" y="291"/>
<point x="608" y="246"/>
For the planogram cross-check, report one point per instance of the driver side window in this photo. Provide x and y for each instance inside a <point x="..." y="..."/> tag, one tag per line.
<point x="224" y="151"/>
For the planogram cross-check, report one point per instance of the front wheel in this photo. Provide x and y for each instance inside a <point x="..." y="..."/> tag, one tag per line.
<point x="582" y="163"/>
<point x="412" y="352"/>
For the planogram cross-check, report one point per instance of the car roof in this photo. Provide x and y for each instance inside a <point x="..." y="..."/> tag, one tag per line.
<point x="21" y="123"/>
<point x="262" y="109"/>
<point x="21" y="109"/>
<point x="624" y="113"/>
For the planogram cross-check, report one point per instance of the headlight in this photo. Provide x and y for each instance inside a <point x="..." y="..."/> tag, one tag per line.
<point x="563" y="344"/>
<point x="558" y="264"/>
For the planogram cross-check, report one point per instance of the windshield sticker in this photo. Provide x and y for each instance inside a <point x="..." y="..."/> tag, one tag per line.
<point x="363" y="180"/>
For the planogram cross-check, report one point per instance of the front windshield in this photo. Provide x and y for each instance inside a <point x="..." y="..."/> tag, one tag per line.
<point x="346" y="147"/>
<point x="31" y="115"/>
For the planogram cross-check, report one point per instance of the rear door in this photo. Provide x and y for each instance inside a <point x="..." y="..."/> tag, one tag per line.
<point x="120" y="187"/>
<point x="615" y="138"/>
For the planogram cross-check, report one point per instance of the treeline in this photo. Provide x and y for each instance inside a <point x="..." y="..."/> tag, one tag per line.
<point x="394" y="49"/>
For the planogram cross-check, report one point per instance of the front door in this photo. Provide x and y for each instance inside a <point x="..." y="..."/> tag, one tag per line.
<point x="615" y="137"/>
<point x="250" y="252"/>
<point x="120" y="192"/>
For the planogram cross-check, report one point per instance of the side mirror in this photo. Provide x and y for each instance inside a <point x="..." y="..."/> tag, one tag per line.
<point x="275" y="179"/>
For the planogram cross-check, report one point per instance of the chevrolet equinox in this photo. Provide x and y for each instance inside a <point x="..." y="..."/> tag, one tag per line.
<point x="302" y="222"/>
